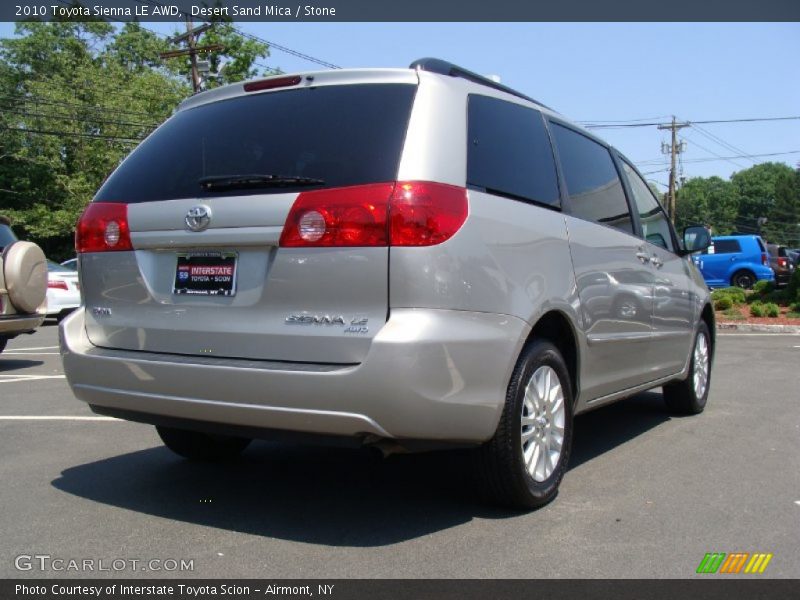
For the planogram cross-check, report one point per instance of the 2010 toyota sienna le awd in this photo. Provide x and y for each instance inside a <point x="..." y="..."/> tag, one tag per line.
<point x="405" y="258"/>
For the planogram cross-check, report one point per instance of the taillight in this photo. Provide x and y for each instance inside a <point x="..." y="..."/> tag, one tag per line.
<point x="765" y="260"/>
<point x="426" y="214"/>
<point x="103" y="227"/>
<point x="783" y="263"/>
<point x="57" y="284"/>
<point x="397" y="214"/>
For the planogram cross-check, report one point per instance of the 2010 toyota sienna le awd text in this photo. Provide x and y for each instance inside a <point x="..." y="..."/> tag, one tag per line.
<point x="405" y="258"/>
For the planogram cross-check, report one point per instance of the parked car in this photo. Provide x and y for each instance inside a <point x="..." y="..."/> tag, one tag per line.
<point x="387" y="256"/>
<point x="71" y="264"/>
<point x="23" y="281"/>
<point x="735" y="260"/>
<point x="63" y="290"/>
<point x="781" y="262"/>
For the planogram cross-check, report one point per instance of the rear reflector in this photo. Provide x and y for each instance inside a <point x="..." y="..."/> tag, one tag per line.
<point x="269" y="84"/>
<point x="103" y="227"/>
<point x="398" y="214"/>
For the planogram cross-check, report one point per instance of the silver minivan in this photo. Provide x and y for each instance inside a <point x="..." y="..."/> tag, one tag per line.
<point x="407" y="259"/>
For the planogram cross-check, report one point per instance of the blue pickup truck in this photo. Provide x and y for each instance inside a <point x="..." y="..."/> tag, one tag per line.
<point x="738" y="260"/>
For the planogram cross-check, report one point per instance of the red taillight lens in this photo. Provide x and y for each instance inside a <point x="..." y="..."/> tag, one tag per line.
<point x="57" y="284"/>
<point x="103" y="227"/>
<point x="765" y="260"/>
<point x="426" y="214"/>
<point x="782" y="262"/>
<point x="351" y="216"/>
<point x="398" y="214"/>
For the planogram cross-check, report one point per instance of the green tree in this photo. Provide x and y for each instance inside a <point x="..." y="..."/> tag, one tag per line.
<point x="783" y="218"/>
<point x="756" y="187"/>
<point x="707" y="201"/>
<point x="76" y="98"/>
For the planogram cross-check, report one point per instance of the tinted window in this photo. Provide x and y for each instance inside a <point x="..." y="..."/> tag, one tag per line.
<point x="509" y="151"/>
<point x="6" y="236"/>
<point x="344" y="135"/>
<point x="655" y="226"/>
<point x="595" y="190"/>
<point x="726" y="246"/>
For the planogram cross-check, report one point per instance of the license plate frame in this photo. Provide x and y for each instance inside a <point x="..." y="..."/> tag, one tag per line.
<point x="205" y="273"/>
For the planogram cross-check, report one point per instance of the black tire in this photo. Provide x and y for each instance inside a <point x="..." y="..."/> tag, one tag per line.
<point x="743" y="279"/>
<point x="501" y="464"/>
<point x="681" y="396"/>
<point x="196" y="445"/>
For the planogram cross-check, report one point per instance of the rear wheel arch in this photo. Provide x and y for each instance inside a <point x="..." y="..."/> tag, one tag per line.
<point x="556" y="327"/>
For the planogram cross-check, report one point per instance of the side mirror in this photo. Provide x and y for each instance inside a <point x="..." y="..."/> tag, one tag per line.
<point x="695" y="239"/>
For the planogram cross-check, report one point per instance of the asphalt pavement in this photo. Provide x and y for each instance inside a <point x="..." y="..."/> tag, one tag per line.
<point x="647" y="494"/>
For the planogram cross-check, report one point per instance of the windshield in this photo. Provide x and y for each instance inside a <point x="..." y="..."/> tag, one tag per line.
<point x="330" y="136"/>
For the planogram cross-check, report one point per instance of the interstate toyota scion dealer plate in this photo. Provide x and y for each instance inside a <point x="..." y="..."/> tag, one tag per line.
<point x="206" y="274"/>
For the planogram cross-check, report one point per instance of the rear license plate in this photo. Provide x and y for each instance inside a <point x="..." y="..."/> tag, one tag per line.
<point x="206" y="274"/>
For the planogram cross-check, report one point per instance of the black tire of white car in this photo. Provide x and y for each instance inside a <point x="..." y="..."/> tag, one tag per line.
<point x="681" y="396"/>
<point x="506" y="478"/>
<point x="196" y="445"/>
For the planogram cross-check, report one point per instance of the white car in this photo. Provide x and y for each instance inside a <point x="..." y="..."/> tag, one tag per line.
<point x="71" y="264"/>
<point x="63" y="290"/>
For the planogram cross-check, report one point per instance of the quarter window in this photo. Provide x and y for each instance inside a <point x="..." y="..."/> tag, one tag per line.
<point x="655" y="227"/>
<point x="726" y="247"/>
<point x="594" y="186"/>
<point x="509" y="151"/>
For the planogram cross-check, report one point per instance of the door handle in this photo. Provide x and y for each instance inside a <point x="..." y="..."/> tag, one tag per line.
<point x="657" y="262"/>
<point x="643" y="256"/>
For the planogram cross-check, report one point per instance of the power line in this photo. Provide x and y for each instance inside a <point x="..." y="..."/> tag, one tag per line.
<point x="612" y="125"/>
<point x="719" y="156"/>
<point x="256" y="38"/>
<point x="74" y="134"/>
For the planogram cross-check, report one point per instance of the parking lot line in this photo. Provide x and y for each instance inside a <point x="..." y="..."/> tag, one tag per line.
<point x="55" y="418"/>
<point x="17" y="378"/>
<point x="7" y="352"/>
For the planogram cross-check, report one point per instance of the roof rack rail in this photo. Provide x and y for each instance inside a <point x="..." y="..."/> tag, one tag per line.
<point x="442" y="67"/>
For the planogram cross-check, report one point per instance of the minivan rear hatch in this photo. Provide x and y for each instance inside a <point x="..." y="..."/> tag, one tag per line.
<point x="207" y="196"/>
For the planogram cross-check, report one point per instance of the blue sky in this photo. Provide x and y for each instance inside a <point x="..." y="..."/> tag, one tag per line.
<point x="600" y="72"/>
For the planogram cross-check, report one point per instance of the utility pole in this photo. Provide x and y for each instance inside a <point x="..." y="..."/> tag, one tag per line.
<point x="674" y="149"/>
<point x="192" y="49"/>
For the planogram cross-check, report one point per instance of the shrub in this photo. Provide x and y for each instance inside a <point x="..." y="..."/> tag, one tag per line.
<point x="722" y="302"/>
<point x="773" y="310"/>
<point x="794" y="307"/>
<point x="793" y="288"/>
<point x="736" y="294"/>
<point x="757" y="310"/>
<point x="733" y="314"/>
<point x="763" y="287"/>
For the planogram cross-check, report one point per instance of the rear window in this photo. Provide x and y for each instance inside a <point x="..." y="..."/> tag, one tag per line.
<point x="6" y="236"/>
<point x="343" y="135"/>
<point x="509" y="151"/>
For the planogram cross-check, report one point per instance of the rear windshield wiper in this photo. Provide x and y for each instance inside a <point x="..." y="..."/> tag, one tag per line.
<point x="238" y="182"/>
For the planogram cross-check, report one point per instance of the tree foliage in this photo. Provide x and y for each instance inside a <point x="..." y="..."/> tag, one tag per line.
<point x="707" y="201"/>
<point x="76" y="98"/>
<point x="764" y="199"/>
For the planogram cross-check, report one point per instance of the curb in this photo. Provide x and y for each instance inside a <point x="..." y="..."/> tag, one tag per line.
<point x="758" y="328"/>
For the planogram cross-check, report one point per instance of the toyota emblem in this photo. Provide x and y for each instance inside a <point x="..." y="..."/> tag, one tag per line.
<point x="198" y="218"/>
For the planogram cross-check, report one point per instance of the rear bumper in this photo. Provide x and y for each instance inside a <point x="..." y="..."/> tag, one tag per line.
<point x="11" y="325"/>
<point x="429" y="375"/>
